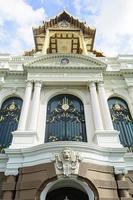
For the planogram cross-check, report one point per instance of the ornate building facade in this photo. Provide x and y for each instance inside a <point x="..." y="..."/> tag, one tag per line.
<point x="66" y="118"/>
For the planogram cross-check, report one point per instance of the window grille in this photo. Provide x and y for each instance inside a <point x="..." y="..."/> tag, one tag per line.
<point x="65" y="119"/>
<point x="122" y="120"/>
<point x="9" y="117"/>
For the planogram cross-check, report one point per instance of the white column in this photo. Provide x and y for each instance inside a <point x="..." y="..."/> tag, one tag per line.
<point x="25" y="106"/>
<point x="104" y="107"/>
<point x="35" y="105"/>
<point x="95" y="107"/>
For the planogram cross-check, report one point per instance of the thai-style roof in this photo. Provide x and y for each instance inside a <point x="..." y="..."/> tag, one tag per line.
<point x="64" y="16"/>
<point x="53" y="24"/>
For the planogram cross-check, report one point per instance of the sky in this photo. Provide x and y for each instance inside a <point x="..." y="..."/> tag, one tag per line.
<point x="113" y="20"/>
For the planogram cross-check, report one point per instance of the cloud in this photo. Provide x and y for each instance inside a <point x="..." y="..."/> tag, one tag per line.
<point x="113" y="22"/>
<point x="18" y="18"/>
<point x="51" y="2"/>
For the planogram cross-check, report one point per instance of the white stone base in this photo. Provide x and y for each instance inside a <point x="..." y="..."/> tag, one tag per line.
<point x="107" y="138"/>
<point x="24" y="139"/>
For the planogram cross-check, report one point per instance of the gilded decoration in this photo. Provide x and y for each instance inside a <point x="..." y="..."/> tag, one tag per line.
<point x="10" y="112"/>
<point x="119" y="112"/>
<point x="122" y="121"/>
<point x="9" y="117"/>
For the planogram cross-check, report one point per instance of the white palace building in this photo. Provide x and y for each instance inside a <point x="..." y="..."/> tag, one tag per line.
<point x="66" y="118"/>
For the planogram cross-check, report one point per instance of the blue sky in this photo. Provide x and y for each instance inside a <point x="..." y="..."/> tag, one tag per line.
<point x="111" y="18"/>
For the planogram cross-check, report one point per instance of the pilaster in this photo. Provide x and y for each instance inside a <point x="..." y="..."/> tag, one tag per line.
<point x="106" y="137"/>
<point x="95" y="107"/>
<point x="104" y="107"/>
<point x="28" y="137"/>
<point x="25" y="106"/>
<point x="35" y="105"/>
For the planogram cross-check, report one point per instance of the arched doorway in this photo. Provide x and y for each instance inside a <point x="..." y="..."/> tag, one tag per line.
<point x="67" y="189"/>
<point x="67" y="193"/>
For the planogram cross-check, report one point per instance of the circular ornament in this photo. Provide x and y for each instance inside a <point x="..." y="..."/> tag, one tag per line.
<point x="64" y="61"/>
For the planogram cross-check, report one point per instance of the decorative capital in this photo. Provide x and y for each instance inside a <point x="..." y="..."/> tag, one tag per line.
<point x="67" y="161"/>
<point x="38" y="83"/>
<point x="29" y="83"/>
<point x="100" y="84"/>
<point x="91" y="84"/>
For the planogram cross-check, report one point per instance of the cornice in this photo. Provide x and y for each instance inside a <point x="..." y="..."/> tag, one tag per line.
<point x="121" y="72"/>
<point x="46" y="152"/>
<point x="52" y="146"/>
<point x="126" y="71"/>
<point x="6" y="72"/>
<point x="119" y="66"/>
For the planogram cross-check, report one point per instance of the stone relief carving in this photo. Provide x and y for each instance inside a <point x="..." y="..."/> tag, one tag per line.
<point x="67" y="161"/>
<point x="64" y="24"/>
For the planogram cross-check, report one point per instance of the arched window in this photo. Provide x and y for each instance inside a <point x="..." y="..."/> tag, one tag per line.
<point x="122" y="120"/>
<point x="65" y="119"/>
<point x="9" y="117"/>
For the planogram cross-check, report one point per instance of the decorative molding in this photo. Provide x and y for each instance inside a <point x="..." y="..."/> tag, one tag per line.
<point x="13" y="159"/>
<point x="12" y="172"/>
<point x="117" y="66"/>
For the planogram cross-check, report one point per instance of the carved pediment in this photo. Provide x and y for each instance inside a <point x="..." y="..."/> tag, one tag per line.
<point x="65" y="61"/>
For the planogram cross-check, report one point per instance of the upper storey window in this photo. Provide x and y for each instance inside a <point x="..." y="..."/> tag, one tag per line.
<point x="9" y="117"/>
<point x="65" y="119"/>
<point x="122" y="120"/>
